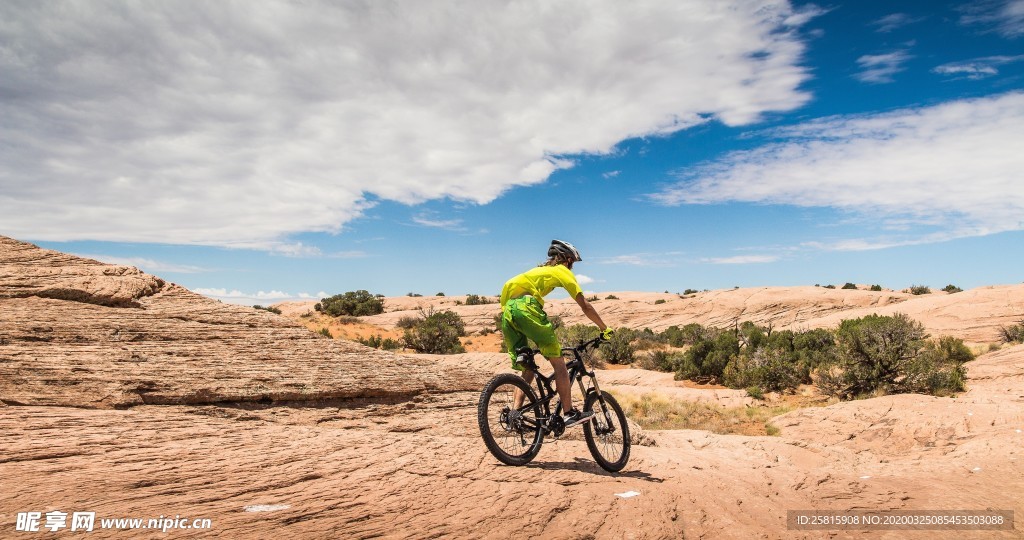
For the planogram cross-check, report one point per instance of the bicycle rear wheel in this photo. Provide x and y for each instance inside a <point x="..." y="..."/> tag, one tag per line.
<point x="513" y="435"/>
<point x="608" y="433"/>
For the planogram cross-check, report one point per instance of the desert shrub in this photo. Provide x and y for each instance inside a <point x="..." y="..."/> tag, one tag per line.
<point x="620" y="348"/>
<point x="687" y="335"/>
<point x="830" y="286"/>
<point x="849" y="286"/>
<point x="271" y="309"/>
<point x="659" y="301"/>
<point x="874" y="354"/>
<point x="376" y="342"/>
<point x="436" y="333"/>
<point x="1012" y="334"/>
<point x="767" y="368"/>
<point x="439" y="294"/>
<point x="414" y="295"/>
<point x="354" y="303"/>
<point x="939" y="368"/>
<point x="407" y="322"/>
<point x="755" y="392"/>
<point x="593" y="298"/>
<point x="919" y="289"/>
<point x="690" y="291"/>
<point x="952" y="289"/>
<point x="611" y="297"/>
<point x="876" y="288"/>
<point x="814" y="348"/>
<point x="570" y="336"/>
<point x="325" y="333"/>
<point x="477" y="300"/>
<point x="658" y="360"/>
<point x="706" y="359"/>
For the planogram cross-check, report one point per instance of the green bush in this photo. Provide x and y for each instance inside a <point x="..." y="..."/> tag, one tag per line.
<point x="619" y="349"/>
<point x="570" y="336"/>
<point x="876" y="288"/>
<point x="325" y="333"/>
<point x="687" y="335"/>
<point x="439" y="294"/>
<point x="476" y="300"/>
<point x="939" y="368"/>
<point x="1012" y="334"/>
<point x="611" y="297"/>
<point x="767" y="368"/>
<point x="436" y="333"/>
<point x="690" y="291"/>
<point x="271" y="309"/>
<point x="830" y="286"/>
<point x="875" y="354"/>
<point x="659" y="360"/>
<point x="952" y="289"/>
<point x="814" y="348"/>
<point x="849" y="286"/>
<point x="659" y="301"/>
<point x="919" y="289"/>
<point x="407" y="322"/>
<point x="706" y="359"/>
<point x="414" y="295"/>
<point x="376" y="342"/>
<point x="354" y="303"/>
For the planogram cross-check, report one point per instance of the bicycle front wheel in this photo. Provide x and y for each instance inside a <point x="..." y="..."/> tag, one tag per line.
<point x="512" y="434"/>
<point x="608" y="433"/>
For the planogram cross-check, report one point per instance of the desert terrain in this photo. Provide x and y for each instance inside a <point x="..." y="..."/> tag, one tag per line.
<point x="132" y="397"/>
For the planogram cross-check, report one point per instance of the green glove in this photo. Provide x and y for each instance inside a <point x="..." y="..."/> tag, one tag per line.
<point x="606" y="334"/>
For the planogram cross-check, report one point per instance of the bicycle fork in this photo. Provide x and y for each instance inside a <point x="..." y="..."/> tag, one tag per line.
<point x="608" y="426"/>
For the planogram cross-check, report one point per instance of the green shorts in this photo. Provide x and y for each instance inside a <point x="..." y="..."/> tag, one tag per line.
<point x="523" y="319"/>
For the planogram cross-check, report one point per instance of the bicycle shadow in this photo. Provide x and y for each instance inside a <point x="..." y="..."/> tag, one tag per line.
<point x="588" y="466"/>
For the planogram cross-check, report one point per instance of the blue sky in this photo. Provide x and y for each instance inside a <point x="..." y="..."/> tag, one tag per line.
<point x="264" y="152"/>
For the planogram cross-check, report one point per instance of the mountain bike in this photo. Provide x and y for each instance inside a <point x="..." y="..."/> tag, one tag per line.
<point x="514" y="435"/>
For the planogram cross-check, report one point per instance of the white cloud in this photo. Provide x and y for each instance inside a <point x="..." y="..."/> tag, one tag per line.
<point x="611" y="174"/>
<point x="1003" y="16"/>
<point x="743" y="259"/>
<point x="147" y="265"/>
<point x="427" y="220"/>
<point x="880" y="68"/>
<point x="895" y="20"/>
<point x="234" y="296"/>
<point x="978" y="68"/>
<point x="584" y="280"/>
<point x="955" y="169"/>
<point x="239" y="124"/>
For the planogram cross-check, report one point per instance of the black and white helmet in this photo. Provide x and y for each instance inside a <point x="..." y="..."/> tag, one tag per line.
<point x="566" y="249"/>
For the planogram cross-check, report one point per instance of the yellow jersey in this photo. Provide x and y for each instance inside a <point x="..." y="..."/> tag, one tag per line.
<point x="539" y="282"/>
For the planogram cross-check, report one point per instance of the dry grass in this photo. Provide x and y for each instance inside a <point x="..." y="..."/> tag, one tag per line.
<point x="655" y="411"/>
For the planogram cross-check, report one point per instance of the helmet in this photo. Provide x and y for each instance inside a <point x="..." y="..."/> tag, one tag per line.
<point x="566" y="249"/>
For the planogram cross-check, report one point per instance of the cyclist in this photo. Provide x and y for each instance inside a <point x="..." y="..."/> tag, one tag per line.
<point x="523" y="316"/>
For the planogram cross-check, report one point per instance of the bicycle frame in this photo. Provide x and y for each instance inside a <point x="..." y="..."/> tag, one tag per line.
<point x="552" y="423"/>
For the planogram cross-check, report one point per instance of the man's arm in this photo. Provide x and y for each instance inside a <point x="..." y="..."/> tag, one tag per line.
<point x="590" y="312"/>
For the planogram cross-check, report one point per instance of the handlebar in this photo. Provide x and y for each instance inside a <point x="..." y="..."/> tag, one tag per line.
<point x="595" y="343"/>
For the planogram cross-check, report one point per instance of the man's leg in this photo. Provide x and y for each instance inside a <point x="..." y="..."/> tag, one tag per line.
<point x="562" y="383"/>
<point x="519" y="395"/>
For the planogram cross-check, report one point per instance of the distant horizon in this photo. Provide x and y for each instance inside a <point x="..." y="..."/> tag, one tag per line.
<point x="282" y="151"/>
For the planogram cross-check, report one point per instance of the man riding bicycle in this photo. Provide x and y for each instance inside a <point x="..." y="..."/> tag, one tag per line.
<point x="523" y="318"/>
